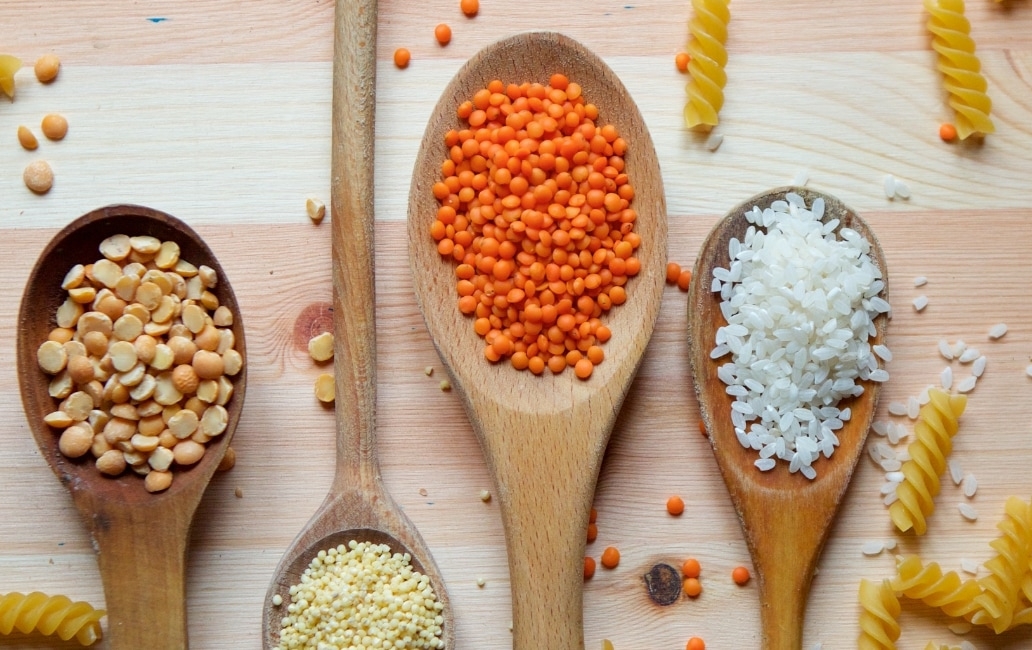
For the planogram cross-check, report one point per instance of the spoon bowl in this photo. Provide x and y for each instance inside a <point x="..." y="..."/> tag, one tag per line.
<point x="143" y="582"/>
<point x="544" y="436"/>
<point x="786" y="517"/>
<point x="358" y="506"/>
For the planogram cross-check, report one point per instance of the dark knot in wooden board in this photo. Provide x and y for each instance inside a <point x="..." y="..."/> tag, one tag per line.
<point x="663" y="584"/>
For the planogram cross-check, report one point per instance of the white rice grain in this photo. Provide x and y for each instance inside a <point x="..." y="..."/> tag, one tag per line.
<point x="889" y="186"/>
<point x="969" y="566"/>
<point x="978" y="367"/>
<point x="945" y="350"/>
<point x="956" y="472"/>
<point x="872" y="548"/>
<point x="997" y="331"/>
<point x="801" y="178"/>
<point x="969" y="485"/>
<point x="946" y="378"/>
<point x="897" y="408"/>
<point x="920" y="302"/>
<point x="913" y="408"/>
<point x="969" y="355"/>
<point x="884" y="353"/>
<point x="920" y="281"/>
<point x="902" y="190"/>
<point x="967" y="384"/>
<point x="960" y="627"/>
<point x="714" y="141"/>
<point x="967" y="511"/>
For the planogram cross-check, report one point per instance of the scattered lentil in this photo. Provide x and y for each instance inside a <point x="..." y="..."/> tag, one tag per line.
<point x="695" y="643"/>
<point x="947" y="132"/>
<point x="675" y="505"/>
<point x="692" y="587"/>
<point x="26" y="139"/>
<point x="470" y="7"/>
<point x="691" y="568"/>
<point x="47" y="67"/>
<point x="38" y="176"/>
<point x="54" y="126"/>
<point x="592" y="532"/>
<point x="443" y="34"/>
<point x="589" y="568"/>
<point x="610" y="557"/>
<point x="740" y="575"/>
<point x="681" y="60"/>
<point x="402" y="57"/>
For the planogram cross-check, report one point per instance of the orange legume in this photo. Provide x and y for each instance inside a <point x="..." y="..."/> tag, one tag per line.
<point x="589" y="567"/>
<point x="675" y="505"/>
<point x="443" y="34"/>
<point x="592" y="532"/>
<point x="947" y="132"/>
<point x="610" y="557"/>
<point x="695" y="643"/>
<point x="740" y="575"/>
<point x="673" y="269"/>
<point x="691" y="568"/>
<point x="536" y="211"/>
<point x="684" y="279"/>
<point x="681" y="60"/>
<point x="470" y="7"/>
<point x="402" y="57"/>
<point x="593" y="516"/>
<point x="692" y="587"/>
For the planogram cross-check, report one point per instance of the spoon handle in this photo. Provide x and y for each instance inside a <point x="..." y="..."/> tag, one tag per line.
<point x="351" y="210"/>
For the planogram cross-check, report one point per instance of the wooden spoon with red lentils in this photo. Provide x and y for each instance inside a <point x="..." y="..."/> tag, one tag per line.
<point x="539" y="265"/>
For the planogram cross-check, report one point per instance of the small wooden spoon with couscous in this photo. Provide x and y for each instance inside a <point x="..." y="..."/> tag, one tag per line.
<point x="358" y="506"/>
<point x="543" y="435"/>
<point x="786" y="517"/>
<point x="140" y="538"/>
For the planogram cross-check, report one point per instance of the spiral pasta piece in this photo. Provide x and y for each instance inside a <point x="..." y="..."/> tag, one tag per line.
<point x="708" y="29"/>
<point x="927" y="583"/>
<point x="960" y="66"/>
<point x="1001" y="593"/>
<point x="879" y="624"/>
<point x="933" y="441"/>
<point x="50" y="615"/>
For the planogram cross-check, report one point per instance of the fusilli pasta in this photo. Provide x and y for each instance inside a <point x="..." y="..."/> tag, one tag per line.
<point x="1002" y="589"/>
<point x="933" y="442"/>
<point x="879" y="624"/>
<point x="960" y="67"/>
<point x="50" y="615"/>
<point x="927" y="583"/>
<point x="708" y="29"/>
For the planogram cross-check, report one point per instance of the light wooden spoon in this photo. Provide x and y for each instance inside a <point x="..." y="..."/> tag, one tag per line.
<point x="786" y="517"/>
<point x="543" y="436"/>
<point x="358" y="506"/>
<point x="140" y="538"/>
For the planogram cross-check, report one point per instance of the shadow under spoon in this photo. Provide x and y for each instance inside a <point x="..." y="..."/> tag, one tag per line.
<point x="358" y="506"/>
<point x="543" y="437"/>
<point x="786" y="517"/>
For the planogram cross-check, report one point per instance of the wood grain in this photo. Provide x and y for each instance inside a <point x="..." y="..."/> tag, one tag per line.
<point x="227" y="127"/>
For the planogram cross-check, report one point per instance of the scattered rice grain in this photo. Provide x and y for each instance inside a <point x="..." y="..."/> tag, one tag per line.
<point x="959" y="347"/>
<point x="978" y="367"/>
<point x="920" y="281"/>
<point x="889" y="186"/>
<point x="883" y="352"/>
<point x="960" y="627"/>
<point x="945" y="350"/>
<point x="902" y="190"/>
<point x="946" y="378"/>
<point x="913" y="407"/>
<point x="897" y="408"/>
<point x="714" y="141"/>
<point x="956" y="472"/>
<point x="969" y="566"/>
<point x="872" y="548"/>
<point x="920" y="302"/>
<point x="997" y="330"/>
<point x="970" y="485"/>
<point x="969" y="355"/>
<point x="967" y="384"/>
<point x="967" y="511"/>
<point x="801" y="178"/>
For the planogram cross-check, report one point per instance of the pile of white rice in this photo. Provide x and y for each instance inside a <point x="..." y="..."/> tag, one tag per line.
<point x="800" y="301"/>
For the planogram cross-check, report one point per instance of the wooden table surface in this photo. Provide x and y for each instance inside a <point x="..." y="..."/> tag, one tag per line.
<point x="218" y="113"/>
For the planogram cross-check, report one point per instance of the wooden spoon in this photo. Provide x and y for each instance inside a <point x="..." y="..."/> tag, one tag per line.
<point x="140" y="538"/>
<point x="543" y="436"/>
<point x="358" y="506"/>
<point x="786" y="517"/>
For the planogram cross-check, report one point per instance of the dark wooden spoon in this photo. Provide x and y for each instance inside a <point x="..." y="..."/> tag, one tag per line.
<point x="543" y="436"/>
<point x="141" y="538"/>
<point x="786" y="517"/>
<point x="358" y="506"/>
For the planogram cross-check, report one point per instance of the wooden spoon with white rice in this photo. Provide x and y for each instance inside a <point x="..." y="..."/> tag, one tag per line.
<point x="786" y="515"/>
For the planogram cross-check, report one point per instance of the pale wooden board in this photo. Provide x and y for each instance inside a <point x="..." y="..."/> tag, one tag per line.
<point x="220" y="115"/>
